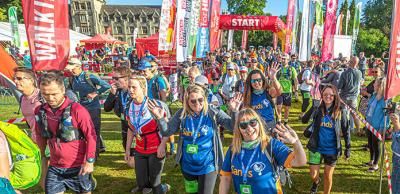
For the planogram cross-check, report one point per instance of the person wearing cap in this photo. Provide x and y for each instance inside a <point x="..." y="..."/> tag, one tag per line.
<point x="285" y="76"/>
<point x="202" y="81"/>
<point x="88" y="88"/>
<point x="239" y="86"/>
<point x="148" y="56"/>
<point x="228" y="60"/>
<point x="212" y="66"/>
<point x="228" y="81"/>
<point x="156" y="86"/>
<point x="238" y="60"/>
<point x="254" y="64"/>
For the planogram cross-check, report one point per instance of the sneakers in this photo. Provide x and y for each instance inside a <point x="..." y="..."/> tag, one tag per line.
<point x="314" y="188"/>
<point x="165" y="187"/>
<point x="373" y="168"/>
<point x="144" y="191"/>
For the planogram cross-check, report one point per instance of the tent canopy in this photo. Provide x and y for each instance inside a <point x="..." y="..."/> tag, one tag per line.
<point x="149" y="43"/>
<point x="100" y="40"/>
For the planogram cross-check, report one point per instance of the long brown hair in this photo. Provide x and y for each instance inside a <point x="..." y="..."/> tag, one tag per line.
<point x="336" y="113"/>
<point x="248" y="89"/>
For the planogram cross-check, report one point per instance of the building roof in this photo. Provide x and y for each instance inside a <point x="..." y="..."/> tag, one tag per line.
<point x="135" y="9"/>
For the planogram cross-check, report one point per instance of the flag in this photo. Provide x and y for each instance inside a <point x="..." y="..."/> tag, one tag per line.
<point x="339" y="25"/>
<point x="356" y="25"/>
<point x="329" y="30"/>
<point x="294" y="30"/>
<point x="347" y="20"/>
<point x="164" y="24"/>
<point x="135" y="35"/>
<point x="319" y="15"/>
<point x="230" y="39"/>
<point x="13" y="19"/>
<point x="393" y="75"/>
<point x="304" y="32"/>
<point x="289" y="25"/>
<point x="275" y="41"/>
<point x="182" y="19"/>
<point x="310" y="28"/>
<point x="47" y="29"/>
<point x="171" y="36"/>
<point x="244" y="38"/>
<point x="203" y="36"/>
<point x="215" y="33"/>
<point x="193" y="25"/>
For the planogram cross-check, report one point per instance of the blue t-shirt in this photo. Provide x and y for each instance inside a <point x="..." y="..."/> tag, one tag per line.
<point x="203" y="161"/>
<point x="149" y="58"/>
<point x="161" y="85"/>
<point x="260" y="174"/>
<point x="327" y="137"/>
<point x="263" y="106"/>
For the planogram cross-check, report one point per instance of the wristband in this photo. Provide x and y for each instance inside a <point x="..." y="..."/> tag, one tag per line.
<point x="90" y="160"/>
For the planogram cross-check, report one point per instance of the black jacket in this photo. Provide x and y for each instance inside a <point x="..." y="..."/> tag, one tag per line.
<point x="341" y="125"/>
<point x="114" y="102"/>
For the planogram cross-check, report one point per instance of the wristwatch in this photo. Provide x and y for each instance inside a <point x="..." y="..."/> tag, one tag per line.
<point x="91" y="160"/>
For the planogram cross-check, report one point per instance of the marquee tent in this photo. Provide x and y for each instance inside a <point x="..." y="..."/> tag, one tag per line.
<point x="149" y="43"/>
<point x="99" y="41"/>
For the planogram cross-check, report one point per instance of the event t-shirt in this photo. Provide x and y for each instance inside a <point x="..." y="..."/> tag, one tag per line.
<point x="161" y="85"/>
<point x="201" y="162"/>
<point x="285" y="79"/>
<point x="327" y="136"/>
<point x="306" y="75"/>
<point x="260" y="174"/>
<point x="263" y="106"/>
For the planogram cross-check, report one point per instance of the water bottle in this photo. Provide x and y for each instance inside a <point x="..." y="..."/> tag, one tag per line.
<point x="68" y="132"/>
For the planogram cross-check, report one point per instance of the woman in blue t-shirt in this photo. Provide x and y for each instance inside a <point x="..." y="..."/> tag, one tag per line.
<point x="259" y="93"/>
<point x="329" y="122"/>
<point x="253" y="158"/>
<point x="199" y="152"/>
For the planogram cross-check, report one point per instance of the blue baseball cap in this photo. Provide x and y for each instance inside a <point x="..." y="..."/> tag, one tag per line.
<point x="144" y="64"/>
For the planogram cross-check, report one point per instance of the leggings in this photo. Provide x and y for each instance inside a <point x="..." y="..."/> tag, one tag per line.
<point x="306" y="100"/>
<point x="148" y="169"/>
<point x="206" y="182"/>
<point x="374" y="147"/>
<point x="95" y="115"/>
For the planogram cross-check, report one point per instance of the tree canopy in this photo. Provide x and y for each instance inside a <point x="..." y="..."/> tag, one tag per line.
<point x="5" y="5"/>
<point x="372" y="41"/>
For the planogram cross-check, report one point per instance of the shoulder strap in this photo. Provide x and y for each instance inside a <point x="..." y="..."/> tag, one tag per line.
<point x="89" y="80"/>
<point x="271" y="159"/>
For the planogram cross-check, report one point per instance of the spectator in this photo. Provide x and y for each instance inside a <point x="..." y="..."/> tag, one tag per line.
<point x="394" y="117"/>
<point x="363" y="64"/>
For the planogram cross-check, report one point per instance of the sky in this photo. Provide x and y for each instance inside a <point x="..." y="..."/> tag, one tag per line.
<point x="275" y="7"/>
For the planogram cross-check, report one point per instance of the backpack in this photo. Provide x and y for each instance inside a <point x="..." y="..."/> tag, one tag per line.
<point x="87" y="78"/>
<point x="300" y="76"/>
<point x="288" y="73"/>
<point x="155" y="88"/>
<point x="25" y="157"/>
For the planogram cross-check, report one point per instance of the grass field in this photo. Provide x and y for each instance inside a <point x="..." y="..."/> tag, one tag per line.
<point x="114" y="176"/>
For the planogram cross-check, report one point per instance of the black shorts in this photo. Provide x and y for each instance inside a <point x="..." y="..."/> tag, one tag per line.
<point x="285" y="99"/>
<point x="59" y="179"/>
<point x="315" y="158"/>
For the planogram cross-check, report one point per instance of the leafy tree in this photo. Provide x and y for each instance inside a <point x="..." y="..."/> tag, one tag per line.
<point x="5" y="5"/>
<point x="372" y="41"/>
<point x="378" y="14"/>
<point x="352" y="9"/>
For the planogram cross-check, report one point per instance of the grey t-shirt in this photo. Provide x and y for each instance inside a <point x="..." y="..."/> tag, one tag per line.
<point x="349" y="83"/>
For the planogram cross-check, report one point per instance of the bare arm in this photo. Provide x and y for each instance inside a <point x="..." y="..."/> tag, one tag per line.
<point x="300" y="158"/>
<point x="225" y="184"/>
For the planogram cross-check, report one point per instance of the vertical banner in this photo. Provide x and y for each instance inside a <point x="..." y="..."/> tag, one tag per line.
<point x="230" y="39"/>
<point x="347" y="20"/>
<point x="135" y="35"/>
<point x="13" y="19"/>
<point x="339" y="25"/>
<point x="165" y="19"/>
<point x="171" y="36"/>
<point x="310" y="28"/>
<point x="304" y="32"/>
<point x="244" y="38"/>
<point x="47" y="29"/>
<point x="275" y="41"/>
<point x="289" y="25"/>
<point x="295" y="26"/>
<point x="319" y="15"/>
<point x="182" y="19"/>
<point x="203" y="36"/>
<point x="329" y="30"/>
<point x="393" y="75"/>
<point x="215" y="33"/>
<point x="193" y="25"/>
<point x="356" y="26"/>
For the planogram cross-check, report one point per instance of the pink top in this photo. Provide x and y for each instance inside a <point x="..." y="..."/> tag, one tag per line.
<point x="28" y="106"/>
<point x="4" y="149"/>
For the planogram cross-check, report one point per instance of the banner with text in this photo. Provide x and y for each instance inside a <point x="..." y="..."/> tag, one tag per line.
<point x="304" y="32"/>
<point x="193" y="25"/>
<point x="182" y="24"/>
<point x="215" y="33"/>
<point x="203" y="35"/>
<point x="289" y="25"/>
<point x="165" y="19"/>
<point x="329" y="30"/>
<point x="47" y="29"/>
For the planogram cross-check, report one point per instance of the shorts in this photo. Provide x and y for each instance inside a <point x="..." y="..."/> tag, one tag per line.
<point x="315" y="158"/>
<point x="59" y="179"/>
<point x="285" y="99"/>
<point x="6" y="187"/>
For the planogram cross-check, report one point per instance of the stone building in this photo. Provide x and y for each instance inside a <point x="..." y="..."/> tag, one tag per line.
<point x="92" y="17"/>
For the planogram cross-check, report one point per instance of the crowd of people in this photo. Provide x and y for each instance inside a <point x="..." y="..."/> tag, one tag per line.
<point x="240" y="91"/>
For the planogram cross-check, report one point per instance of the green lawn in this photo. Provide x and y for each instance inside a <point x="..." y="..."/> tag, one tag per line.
<point x="114" y="176"/>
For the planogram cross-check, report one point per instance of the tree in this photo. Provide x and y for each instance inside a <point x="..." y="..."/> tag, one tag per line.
<point x="352" y="9"/>
<point x="372" y="41"/>
<point x="343" y="10"/>
<point x="5" y="5"/>
<point x="378" y="14"/>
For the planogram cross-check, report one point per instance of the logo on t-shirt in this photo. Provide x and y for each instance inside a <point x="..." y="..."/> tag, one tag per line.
<point x="258" y="167"/>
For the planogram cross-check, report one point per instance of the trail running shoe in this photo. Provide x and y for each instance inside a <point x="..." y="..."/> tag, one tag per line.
<point x="165" y="187"/>
<point x="314" y="188"/>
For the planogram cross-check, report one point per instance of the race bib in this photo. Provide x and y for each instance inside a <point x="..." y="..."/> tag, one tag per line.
<point x="245" y="189"/>
<point x="307" y="95"/>
<point x="192" y="149"/>
<point x="191" y="186"/>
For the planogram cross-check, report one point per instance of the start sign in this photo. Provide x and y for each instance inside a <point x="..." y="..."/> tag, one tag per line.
<point x="246" y="22"/>
<point x="240" y="22"/>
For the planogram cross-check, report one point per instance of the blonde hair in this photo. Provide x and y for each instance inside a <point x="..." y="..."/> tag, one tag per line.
<point x="237" y="135"/>
<point x="382" y="86"/>
<point x="194" y="70"/>
<point x="186" y="108"/>
<point x="142" y="82"/>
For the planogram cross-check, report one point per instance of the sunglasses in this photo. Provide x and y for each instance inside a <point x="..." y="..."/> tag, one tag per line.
<point x="117" y="78"/>
<point x="245" y="124"/>
<point x="230" y="69"/>
<point x="20" y="78"/>
<point x="216" y="79"/>
<point x="374" y="71"/>
<point x="329" y="95"/>
<point x="194" y="101"/>
<point x="256" y="80"/>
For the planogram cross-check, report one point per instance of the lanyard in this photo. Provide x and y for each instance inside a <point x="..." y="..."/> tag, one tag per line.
<point x="139" y="115"/>
<point x="124" y="99"/>
<point x="245" y="170"/>
<point x="195" y="131"/>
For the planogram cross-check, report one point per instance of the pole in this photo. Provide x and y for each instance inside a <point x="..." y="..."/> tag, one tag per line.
<point x="383" y="150"/>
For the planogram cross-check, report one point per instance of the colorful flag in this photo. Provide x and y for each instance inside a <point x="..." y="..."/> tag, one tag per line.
<point x="347" y="20"/>
<point x="182" y="19"/>
<point x="164" y="24"/>
<point x="203" y="36"/>
<point x="215" y="33"/>
<point x="356" y="26"/>
<point x="193" y="25"/>
<point x="230" y="39"/>
<point x="244" y="38"/>
<point x="171" y="36"/>
<point x="304" y="32"/>
<point x="289" y="25"/>
<point x="294" y="30"/>
<point x="393" y="75"/>
<point x="310" y="28"/>
<point x="319" y="15"/>
<point x="275" y="41"/>
<point x="13" y="19"/>
<point x="47" y="29"/>
<point x="329" y="30"/>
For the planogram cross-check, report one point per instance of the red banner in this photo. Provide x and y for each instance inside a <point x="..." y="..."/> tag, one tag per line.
<point x="329" y="30"/>
<point x="393" y="75"/>
<point x="244" y="38"/>
<point x="239" y="22"/>
<point x="214" y="22"/>
<point x="47" y="29"/>
<point x="289" y="25"/>
<point x="275" y="41"/>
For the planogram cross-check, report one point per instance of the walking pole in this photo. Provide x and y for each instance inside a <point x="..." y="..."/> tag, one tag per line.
<point x="383" y="148"/>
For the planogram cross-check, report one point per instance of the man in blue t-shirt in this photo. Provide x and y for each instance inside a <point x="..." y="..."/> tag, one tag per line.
<point x="156" y="86"/>
<point x="149" y="57"/>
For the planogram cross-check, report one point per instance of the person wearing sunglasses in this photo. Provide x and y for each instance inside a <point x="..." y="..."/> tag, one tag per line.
<point x="252" y="159"/>
<point x="240" y="84"/>
<point x="157" y="87"/>
<point x="324" y="144"/>
<point x="200" y="151"/>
